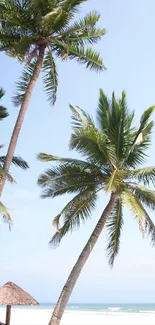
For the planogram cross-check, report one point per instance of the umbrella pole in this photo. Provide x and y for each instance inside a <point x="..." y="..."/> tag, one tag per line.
<point x="8" y="314"/>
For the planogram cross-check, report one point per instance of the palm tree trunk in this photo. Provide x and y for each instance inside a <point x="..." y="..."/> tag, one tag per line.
<point x="71" y="281"/>
<point x="21" y="115"/>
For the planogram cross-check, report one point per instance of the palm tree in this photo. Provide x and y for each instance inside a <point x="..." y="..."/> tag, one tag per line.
<point x="18" y="161"/>
<point x="113" y="151"/>
<point x="36" y="32"/>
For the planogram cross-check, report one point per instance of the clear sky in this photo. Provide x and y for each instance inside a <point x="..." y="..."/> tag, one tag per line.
<point x="128" y="51"/>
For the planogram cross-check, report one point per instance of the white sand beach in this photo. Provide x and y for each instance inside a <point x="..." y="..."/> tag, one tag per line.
<point x="41" y="317"/>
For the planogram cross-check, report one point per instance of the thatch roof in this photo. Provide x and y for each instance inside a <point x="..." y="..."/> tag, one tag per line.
<point x="11" y="294"/>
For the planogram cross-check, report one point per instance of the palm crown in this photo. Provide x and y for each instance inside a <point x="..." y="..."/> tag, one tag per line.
<point x="29" y="26"/>
<point x="113" y="151"/>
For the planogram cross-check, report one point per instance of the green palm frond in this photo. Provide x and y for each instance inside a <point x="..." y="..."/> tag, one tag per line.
<point x="133" y="204"/>
<point x="3" y="110"/>
<point x="133" y="201"/>
<point x="89" y="141"/>
<point x="120" y="127"/>
<point x="8" y="38"/>
<point x="85" y="24"/>
<point x="84" y="31"/>
<point x="114" y="226"/>
<point x="150" y="228"/>
<point x="110" y="186"/>
<point x="50" y="158"/>
<point x="76" y="211"/>
<point x="81" y="54"/>
<point x="17" y="161"/>
<point x="50" y="77"/>
<point x="90" y="144"/>
<point x="18" y="13"/>
<point x="145" y="119"/>
<point x="86" y="139"/>
<point x="47" y="157"/>
<point x="70" y="177"/>
<point x="72" y="6"/>
<point x="87" y="56"/>
<point x="23" y="47"/>
<point x="2" y="92"/>
<point x="57" y="18"/>
<point x="103" y="111"/>
<point x="115" y="121"/>
<point x="78" y="119"/>
<point x="144" y="195"/>
<point x="5" y="215"/>
<point x="52" y="19"/>
<point x="23" y="83"/>
<point x="115" y="182"/>
<point x="141" y="140"/>
<point x="88" y="37"/>
<point x="7" y="175"/>
<point x="145" y="175"/>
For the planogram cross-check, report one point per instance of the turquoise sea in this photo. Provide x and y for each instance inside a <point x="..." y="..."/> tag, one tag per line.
<point x="105" y="308"/>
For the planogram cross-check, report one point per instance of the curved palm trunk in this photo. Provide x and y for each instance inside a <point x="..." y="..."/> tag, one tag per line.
<point x="71" y="281"/>
<point x="21" y="115"/>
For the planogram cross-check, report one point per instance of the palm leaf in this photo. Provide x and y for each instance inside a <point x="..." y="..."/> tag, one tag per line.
<point x="47" y="158"/>
<point x="85" y="24"/>
<point x="7" y="175"/>
<point x="79" y="119"/>
<point x="114" y="227"/>
<point x="3" y="113"/>
<point x="70" y="178"/>
<point x="103" y="111"/>
<point x="17" y="161"/>
<point x="143" y="123"/>
<point x="5" y="214"/>
<point x="132" y="202"/>
<point x="50" y="77"/>
<point x="150" y="227"/>
<point x="2" y="92"/>
<point x="141" y="140"/>
<point x="145" y="175"/>
<point x="72" y="6"/>
<point x="23" y="83"/>
<point x="50" y="20"/>
<point x="90" y="58"/>
<point x="3" y="110"/>
<point x="144" y="195"/>
<point x="84" y="31"/>
<point x="77" y="210"/>
<point x="91" y="145"/>
<point x="87" y="139"/>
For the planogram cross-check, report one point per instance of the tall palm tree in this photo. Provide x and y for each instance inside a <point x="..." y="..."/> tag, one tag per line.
<point x="36" y="32"/>
<point x="113" y="151"/>
<point x="18" y="161"/>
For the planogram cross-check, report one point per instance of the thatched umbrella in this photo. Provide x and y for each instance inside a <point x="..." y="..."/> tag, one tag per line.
<point x="11" y="294"/>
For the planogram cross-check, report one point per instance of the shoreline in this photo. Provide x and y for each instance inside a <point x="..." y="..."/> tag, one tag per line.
<point x="31" y="316"/>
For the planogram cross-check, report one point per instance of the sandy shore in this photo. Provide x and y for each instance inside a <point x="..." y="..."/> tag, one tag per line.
<point x="42" y="316"/>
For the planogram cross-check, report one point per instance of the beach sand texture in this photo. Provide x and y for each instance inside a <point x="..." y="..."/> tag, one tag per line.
<point x="41" y="317"/>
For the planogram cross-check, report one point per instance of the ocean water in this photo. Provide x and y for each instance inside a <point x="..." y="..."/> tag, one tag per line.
<point x="102" y="308"/>
<point x="84" y="314"/>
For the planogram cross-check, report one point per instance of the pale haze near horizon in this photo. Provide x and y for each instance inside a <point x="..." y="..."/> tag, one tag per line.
<point x="128" y="52"/>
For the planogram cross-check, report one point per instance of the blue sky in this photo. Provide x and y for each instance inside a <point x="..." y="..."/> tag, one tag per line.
<point x="128" y="52"/>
